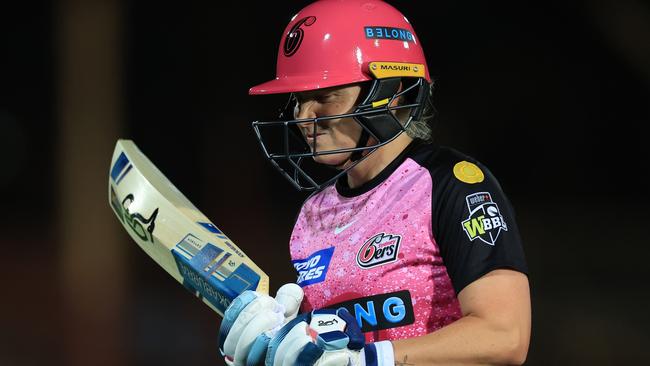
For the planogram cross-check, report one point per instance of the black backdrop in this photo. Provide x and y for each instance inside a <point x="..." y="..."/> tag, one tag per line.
<point x="552" y="96"/>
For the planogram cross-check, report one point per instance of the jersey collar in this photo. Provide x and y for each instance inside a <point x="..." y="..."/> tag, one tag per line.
<point x="344" y="189"/>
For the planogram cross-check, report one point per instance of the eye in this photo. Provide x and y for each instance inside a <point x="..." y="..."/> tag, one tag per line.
<point x="326" y="98"/>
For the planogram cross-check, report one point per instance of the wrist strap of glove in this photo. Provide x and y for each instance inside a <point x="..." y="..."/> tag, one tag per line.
<point x="377" y="354"/>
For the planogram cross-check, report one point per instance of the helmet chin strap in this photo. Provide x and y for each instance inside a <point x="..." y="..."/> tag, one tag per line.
<point x="363" y="142"/>
<point x="381" y="125"/>
<point x="380" y="89"/>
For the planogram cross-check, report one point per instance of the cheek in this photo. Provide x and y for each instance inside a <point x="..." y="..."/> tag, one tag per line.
<point x="346" y="132"/>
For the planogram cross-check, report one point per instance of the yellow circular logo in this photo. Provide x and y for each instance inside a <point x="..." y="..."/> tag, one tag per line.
<point x="468" y="172"/>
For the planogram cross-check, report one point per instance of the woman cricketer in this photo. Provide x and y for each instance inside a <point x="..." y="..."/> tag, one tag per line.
<point x="408" y="253"/>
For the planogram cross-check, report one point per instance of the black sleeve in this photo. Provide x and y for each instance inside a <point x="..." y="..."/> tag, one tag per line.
<point x="473" y="222"/>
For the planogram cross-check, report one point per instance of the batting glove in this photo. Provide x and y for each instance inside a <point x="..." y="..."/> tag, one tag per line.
<point x="321" y="338"/>
<point x="252" y="314"/>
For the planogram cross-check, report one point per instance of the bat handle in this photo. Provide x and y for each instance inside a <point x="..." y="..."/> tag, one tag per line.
<point x="290" y="296"/>
<point x="263" y="285"/>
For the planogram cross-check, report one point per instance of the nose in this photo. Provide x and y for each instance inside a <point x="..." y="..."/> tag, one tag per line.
<point x="304" y="111"/>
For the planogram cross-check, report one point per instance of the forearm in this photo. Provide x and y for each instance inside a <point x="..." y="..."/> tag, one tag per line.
<point x="469" y="341"/>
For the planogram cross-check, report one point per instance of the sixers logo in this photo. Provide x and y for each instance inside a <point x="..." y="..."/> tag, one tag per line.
<point x="293" y="40"/>
<point x="380" y="249"/>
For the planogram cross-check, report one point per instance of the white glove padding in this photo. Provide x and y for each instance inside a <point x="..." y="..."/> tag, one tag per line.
<point x="323" y="337"/>
<point x="252" y="314"/>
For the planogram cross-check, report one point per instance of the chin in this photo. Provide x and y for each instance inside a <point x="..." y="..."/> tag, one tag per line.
<point x="332" y="159"/>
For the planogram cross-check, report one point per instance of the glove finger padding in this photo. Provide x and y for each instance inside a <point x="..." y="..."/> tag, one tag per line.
<point x="257" y="353"/>
<point x="298" y="325"/>
<point x="357" y="339"/>
<point x="245" y="321"/>
<point x="231" y="313"/>
<point x="262" y="322"/>
<point x="254" y="315"/>
<point x="290" y="295"/>
<point x="335" y="359"/>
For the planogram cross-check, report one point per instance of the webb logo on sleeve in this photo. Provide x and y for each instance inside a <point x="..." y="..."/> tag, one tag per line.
<point x="313" y="269"/>
<point x="485" y="221"/>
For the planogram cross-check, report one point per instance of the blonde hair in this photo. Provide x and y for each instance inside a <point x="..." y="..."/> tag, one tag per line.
<point x="422" y="128"/>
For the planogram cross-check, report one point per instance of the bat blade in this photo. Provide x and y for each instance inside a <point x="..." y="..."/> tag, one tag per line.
<point x="175" y="234"/>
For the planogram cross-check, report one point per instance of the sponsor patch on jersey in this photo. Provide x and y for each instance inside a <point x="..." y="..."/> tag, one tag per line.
<point x="377" y="312"/>
<point x="469" y="173"/>
<point x="378" y="250"/>
<point x="313" y="269"/>
<point x="485" y="221"/>
<point x="395" y="34"/>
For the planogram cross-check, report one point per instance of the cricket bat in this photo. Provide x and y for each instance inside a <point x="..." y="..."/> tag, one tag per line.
<point x="175" y="234"/>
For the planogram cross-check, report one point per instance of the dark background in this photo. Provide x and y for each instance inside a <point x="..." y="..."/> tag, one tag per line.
<point x="553" y="96"/>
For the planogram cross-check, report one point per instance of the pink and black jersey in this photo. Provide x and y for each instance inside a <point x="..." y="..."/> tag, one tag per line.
<point x="397" y="250"/>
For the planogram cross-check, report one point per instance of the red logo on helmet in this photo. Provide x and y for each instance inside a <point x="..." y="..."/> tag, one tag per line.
<point x="380" y="249"/>
<point x="296" y="34"/>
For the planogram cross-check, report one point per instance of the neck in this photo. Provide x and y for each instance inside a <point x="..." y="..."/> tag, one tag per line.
<point x="377" y="161"/>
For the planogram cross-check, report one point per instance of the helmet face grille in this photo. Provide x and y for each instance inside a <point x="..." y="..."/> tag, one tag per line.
<point x="282" y="142"/>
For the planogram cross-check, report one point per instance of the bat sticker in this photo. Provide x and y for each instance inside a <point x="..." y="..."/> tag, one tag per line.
<point x="134" y="221"/>
<point x="206" y="272"/>
<point x="121" y="168"/>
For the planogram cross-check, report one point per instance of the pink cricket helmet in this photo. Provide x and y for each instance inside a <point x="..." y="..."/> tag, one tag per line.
<point x="338" y="42"/>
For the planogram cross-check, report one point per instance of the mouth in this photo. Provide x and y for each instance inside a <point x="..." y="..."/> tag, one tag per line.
<point x="310" y="136"/>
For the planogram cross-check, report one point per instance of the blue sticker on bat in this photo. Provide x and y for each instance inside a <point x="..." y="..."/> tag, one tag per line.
<point x="210" y="274"/>
<point x="119" y="165"/>
<point x="121" y="168"/>
<point x="210" y="227"/>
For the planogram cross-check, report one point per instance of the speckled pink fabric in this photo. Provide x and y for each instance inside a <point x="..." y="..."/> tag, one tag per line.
<point x="401" y="206"/>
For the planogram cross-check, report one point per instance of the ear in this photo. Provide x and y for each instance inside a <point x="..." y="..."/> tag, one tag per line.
<point x="400" y="99"/>
<point x="401" y="114"/>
